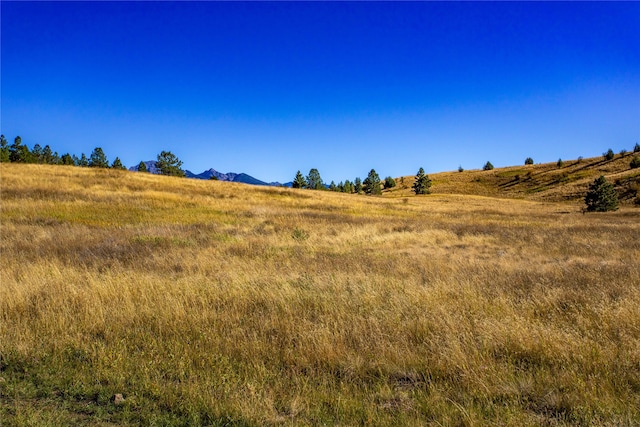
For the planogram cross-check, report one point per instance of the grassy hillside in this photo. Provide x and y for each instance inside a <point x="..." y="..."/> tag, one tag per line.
<point x="213" y="303"/>
<point x="541" y="182"/>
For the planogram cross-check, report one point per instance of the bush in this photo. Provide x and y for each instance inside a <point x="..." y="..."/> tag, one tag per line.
<point x="460" y="169"/>
<point x="389" y="182"/>
<point x="560" y="163"/>
<point x="609" y="155"/>
<point x="635" y="162"/>
<point x="528" y="161"/>
<point x="636" y="149"/>
<point x="602" y="196"/>
<point x="487" y="166"/>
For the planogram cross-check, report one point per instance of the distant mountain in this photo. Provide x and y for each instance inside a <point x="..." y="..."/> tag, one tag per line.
<point x="229" y="176"/>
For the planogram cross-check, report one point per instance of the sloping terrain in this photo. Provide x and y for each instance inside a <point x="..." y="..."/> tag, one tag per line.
<point x="216" y="303"/>
<point x="541" y="182"/>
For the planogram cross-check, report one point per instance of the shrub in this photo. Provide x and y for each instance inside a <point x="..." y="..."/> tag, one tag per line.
<point x="601" y="197"/>
<point x="623" y="152"/>
<point x="560" y="163"/>
<point x="608" y="155"/>
<point x="528" y="161"/>
<point x="389" y="182"/>
<point x="460" y="169"/>
<point x="636" y="149"/>
<point x="487" y="166"/>
<point x="635" y="162"/>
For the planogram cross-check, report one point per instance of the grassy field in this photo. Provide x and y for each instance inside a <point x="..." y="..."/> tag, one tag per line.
<point x="544" y="182"/>
<point x="212" y="303"/>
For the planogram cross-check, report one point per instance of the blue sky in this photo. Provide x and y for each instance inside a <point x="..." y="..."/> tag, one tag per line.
<point x="272" y="88"/>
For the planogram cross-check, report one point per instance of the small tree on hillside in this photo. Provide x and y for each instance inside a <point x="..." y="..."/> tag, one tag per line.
<point x="371" y="183"/>
<point x="98" y="159"/>
<point x="117" y="164"/>
<point x="635" y="162"/>
<point x="19" y="153"/>
<point x="67" y="160"/>
<point x="528" y="161"/>
<point x="602" y="196"/>
<point x="487" y="166"/>
<point x="357" y="186"/>
<point x="609" y="155"/>
<point x="389" y="182"/>
<point x="314" y="181"/>
<point x="348" y="187"/>
<point x="460" y="168"/>
<point x="298" y="181"/>
<point x="422" y="183"/>
<point x="83" y="162"/>
<point x="142" y="167"/>
<point x="168" y="164"/>
<point x="560" y="163"/>
<point x="4" y="150"/>
<point x="636" y="149"/>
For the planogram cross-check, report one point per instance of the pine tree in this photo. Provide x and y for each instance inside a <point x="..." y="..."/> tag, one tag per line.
<point x="98" y="159"/>
<point x="314" y="181"/>
<point x="67" y="159"/>
<point x="168" y="164"/>
<point x="299" y="181"/>
<point x="487" y="166"/>
<point x="371" y="184"/>
<point x="636" y="149"/>
<point x="36" y="154"/>
<point x="635" y="162"/>
<point x="117" y="164"/>
<point x="560" y="163"/>
<point x="422" y="183"/>
<point x="601" y="197"/>
<point x="348" y="187"/>
<point x="528" y="161"/>
<point x="357" y="186"/>
<point x="609" y="155"/>
<point x="4" y="150"/>
<point x="19" y="153"/>
<point x="83" y="162"/>
<point x="332" y="186"/>
<point x="389" y="182"/>
<point x="142" y="167"/>
<point x="47" y="156"/>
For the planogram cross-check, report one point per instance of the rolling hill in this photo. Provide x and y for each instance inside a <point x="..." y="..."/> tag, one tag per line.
<point x="541" y="182"/>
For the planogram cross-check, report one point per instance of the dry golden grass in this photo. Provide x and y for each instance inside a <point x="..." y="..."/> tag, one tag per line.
<point x="541" y="182"/>
<point x="212" y="303"/>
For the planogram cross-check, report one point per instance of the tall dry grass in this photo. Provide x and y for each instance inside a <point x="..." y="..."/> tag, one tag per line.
<point x="211" y="303"/>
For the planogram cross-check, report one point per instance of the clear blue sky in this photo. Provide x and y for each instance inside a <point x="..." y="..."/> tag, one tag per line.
<point x="270" y="88"/>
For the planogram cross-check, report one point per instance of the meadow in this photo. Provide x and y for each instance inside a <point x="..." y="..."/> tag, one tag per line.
<point x="213" y="303"/>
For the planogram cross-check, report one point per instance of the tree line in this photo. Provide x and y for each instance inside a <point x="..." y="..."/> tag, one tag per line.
<point x="167" y="163"/>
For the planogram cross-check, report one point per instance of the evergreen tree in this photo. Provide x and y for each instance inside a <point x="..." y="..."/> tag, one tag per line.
<point x="602" y="196"/>
<point x="528" y="161"/>
<point x="332" y="186"/>
<point x="357" y="186"/>
<point x="47" y="156"/>
<point x="314" y="181"/>
<point x="66" y="159"/>
<point x="98" y="159"/>
<point x="299" y="181"/>
<point x="487" y="166"/>
<point x="142" y="167"/>
<point x="460" y="169"/>
<point x="19" y="153"/>
<point x="636" y="149"/>
<point x="635" y="162"/>
<point x="348" y="187"/>
<point x="609" y="155"/>
<point x="371" y="183"/>
<point x="37" y="155"/>
<point x="117" y="164"/>
<point x="422" y="183"/>
<point x="4" y="150"/>
<point x="560" y="163"/>
<point x="168" y="164"/>
<point x="389" y="182"/>
<point x="83" y="162"/>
